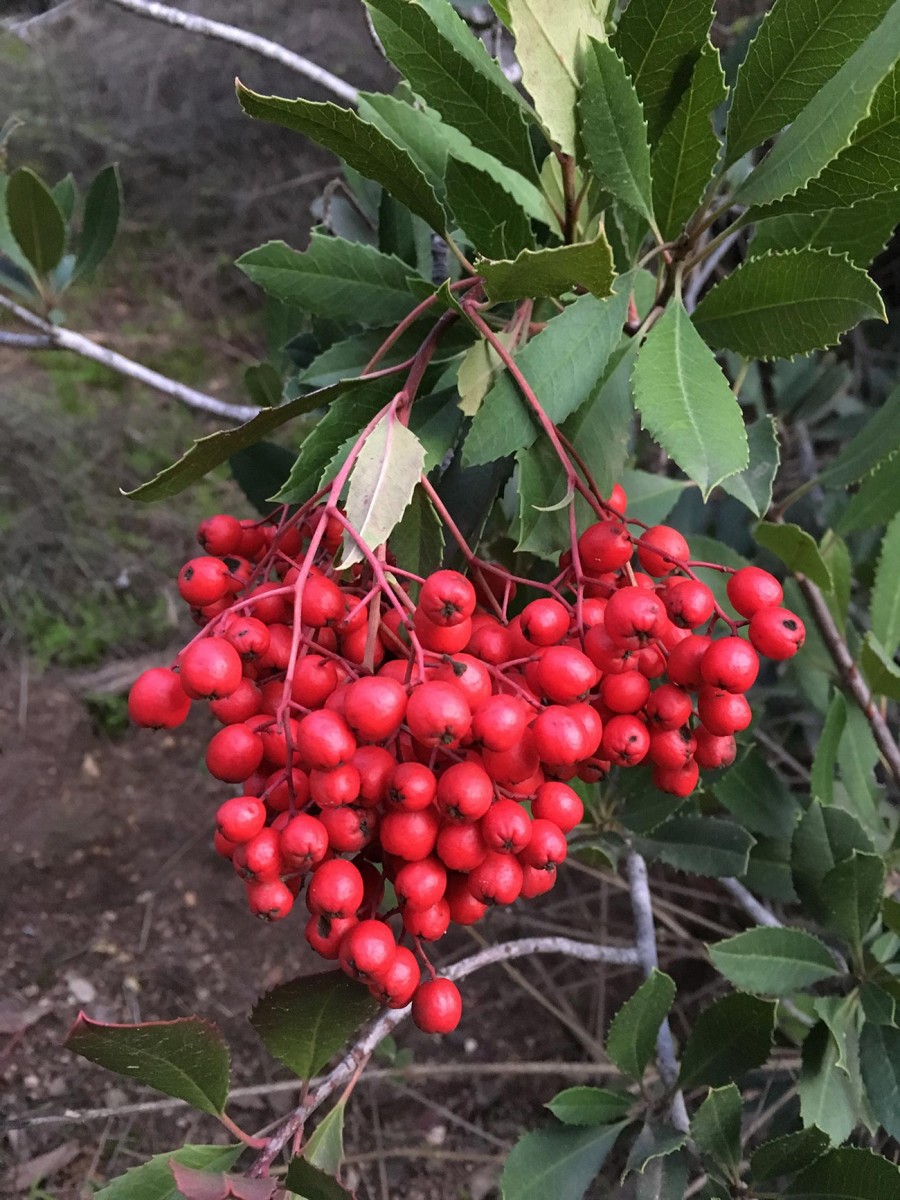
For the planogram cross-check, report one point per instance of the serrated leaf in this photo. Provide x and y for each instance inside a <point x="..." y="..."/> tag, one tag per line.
<point x="558" y="1162"/>
<point x="196" y="1184"/>
<point x="753" y="486"/>
<point x="656" y="1141"/>
<point x="825" y="837"/>
<point x="879" y="1007"/>
<point x="789" y="1154"/>
<point x="418" y="539"/>
<point x="102" y="208"/>
<point x="860" y="231"/>
<point x="551" y="272"/>
<point x="840" y="567"/>
<point x="847" y="1174"/>
<point x="651" y="497"/>
<point x="879" y="1054"/>
<point x="686" y="404"/>
<point x="479" y="365"/>
<point x="153" y="1180"/>
<point x="797" y="550"/>
<point x="325" y="1149"/>
<point x="381" y="486"/>
<point x="878" y="499"/>
<point x="613" y="129"/>
<point x="773" y="962"/>
<point x="260" y="471"/>
<point x="824" y="127"/>
<point x="346" y="281"/>
<point x="779" y="305"/>
<point x="311" y="1183"/>
<point x="829" y="1083"/>
<point x="34" y="220"/>
<point x="660" y="42"/>
<point x="700" y="846"/>
<point x="663" y="1179"/>
<point x="358" y="144"/>
<point x="758" y="797"/>
<point x="885" y="607"/>
<point x="549" y="40"/>
<point x="562" y="364"/>
<point x="186" y="1058"/>
<point x="716" y="1129"/>
<point x="769" y="871"/>
<point x="304" y="1022"/>
<point x="881" y="672"/>
<point x="854" y="890"/>
<point x="264" y="385"/>
<point x="209" y="452"/>
<point x="728" y="1039"/>
<point x="799" y="46"/>
<point x="486" y="212"/>
<point x="589" y="1106"/>
<point x="601" y="427"/>
<point x="825" y="757"/>
<point x="65" y="193"/>
<point x="878" y="438"/>
<point x="857" y="757"/>
<point x="683" y="162"/>
<point x="468" y="90"/>
<point x="632" y="1035"/>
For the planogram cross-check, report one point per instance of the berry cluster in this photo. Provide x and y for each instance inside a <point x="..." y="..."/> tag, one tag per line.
<point x="430" y="742"/>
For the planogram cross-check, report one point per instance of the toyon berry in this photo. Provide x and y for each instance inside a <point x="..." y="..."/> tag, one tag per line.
<point x="437" y="735"/>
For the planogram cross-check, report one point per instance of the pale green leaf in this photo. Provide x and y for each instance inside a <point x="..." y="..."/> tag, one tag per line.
<point x="632" y="1035"/>
<point x="549" y="40"/>
<point x="716" y="1128"/>
<point x="772" y="962"/>
<point x="651" y="497"/>
<point x="753" y="486"/>
<point x="829" y="1096"/>
<point x="487" y="214"/>
<point x="840" y="567"/>
<point x="614" y="131"/>
<point x="660" y="42"/>
<point x="686" y="404"/>
<point x="382" y="482"/>
<point x="885" y="608"/>
<point x="589" y="1105"/>
<point x="797" y="550"/>
<point x="781" y="304"/>
<point x="798" y="48"/>
<point x="558" y="1162"/>
<point x="325" y="1149"/>
<point x="860" y="231"/>
<point x="360" y="145"/>
<point x="479" y="365"/>
<point x="684" y="160"/>
<point x="551" y="272"/>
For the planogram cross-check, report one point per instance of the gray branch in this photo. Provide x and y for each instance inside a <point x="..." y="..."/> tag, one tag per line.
<point x="749" y="903"/>
<point x="241" y="37"/>
<point x="54" y="337"/>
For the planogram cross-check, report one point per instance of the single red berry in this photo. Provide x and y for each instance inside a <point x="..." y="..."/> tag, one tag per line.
<point x="325" y="934"/>
<point x="559" y="737"/>
<point x="220" y="534"/>
<point x="624" y="693"/>
<point x="684" y="661"/>
<point x="677" y="781"/>
<point x="244" y="702"/>
<point x="240" y="818"/>
<point x="490" y="641"/>
<point x="374" y="707"/>
<point x="669" y="707"/>
<point x="672" y="748"/>
<point x="331" y="789"/>
<point x="537" y="881"/>
<point x="500" y="722"/>
<point x="270" y="603"/>
<point x="210" y="668"/>
<point x="447" y="598"/>
<point x="270" y="900"/>
<point x="412" y="787"/>
<point x="259" y="859"/>
<point x="437" y="1006"/>
<point x="777" y="633"/>
<point x="689" y="603"/>
<point x="470" y="676"/>
<point x="428" y="923"/>
<point x="397" y="985"/>
<point x="511" y="766"/>
<point x="730" y="663"/>
<point x="545" y="622"/>
<point x="349" y="827"/>
<point x="558" y="803"/>
<point x="605" y="546"/>
<point x="324" y="740"/>
<point x="322" y="603"/>
<point x="714" y="752"/>
<point x="506" y="827"/>
<point x="442" y="639"/>
<point x="464" y="792"/>
<point x="497" y="879"/>
<point x="565" y="674"/>
<point x="336" y="889"/>
<point x="304" y="842"/>
<point x="234" y="753"/>
<point x="278" y="652"/>
<point x="275" y="739"/>
<point x="203" y="581"/>
<point x="618" y="500"/>
<point x="460" y="846"/>
<point x="634" y="616"/>
<point x="157" y="700"/>
<point x="751" y="589"/>
<point x="376" y="767"/>
<point x="410" y="835"/>
<point x="438" y="714"/>
<point x="548" y="846"/>
<point x="661" y="549"/>
<point x="464" y="908"/>
<point x="421" y="884"/>
<point x="249" y="636"/>
<point x="607" y="654"/>
<point x="625" y="740"/>
<point x="723" y="712"/>
<point x="315" y="678"/>
<point x="367" y="951"/>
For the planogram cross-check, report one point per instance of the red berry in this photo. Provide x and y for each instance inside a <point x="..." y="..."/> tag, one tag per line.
<point x="625" y="741"/>
<point x="624" y="693"/>
<point x="234" y="753"/>
<point x="559" y="737"/>
<point x="220" y="534"/>
<point x="565" y="674"/>
<point x="490" y="641"/>
<point x="325" y="934"/>
<point x="447" y="598"/>
<point x="397" y="985"/>
<point x="157" y="700"/>
<point x="374" y="707"/>
<point x="203" y="581"/>
<point x="545" y="622"/>
<point x="410" y="835"/>
<point x="428" y="923"/>
<point x="322" y="603"/>
<point x="500" y="722"/>
<point x="249" y="637"/>
<point x="669" y="707"/>
<point x="606" y="546"/>
<point x="672" y="748"/>
<point x="730" y="663"/>
<point x="437" y="1006"/>
<point x="468" y="675"/>
<point x="259" y="859"/>
<point x="751" y="589"/>
<point x="270" y="900"/>
<point x="512" y="766"/>
<point x="506" y="827"/>
<point x="349" y="827"/>
<point x="367" y="951"/>
<point x="460" y="846"/>
<point x="685" y="659"/>
<point x="324" y="740"/>
<point x="634" y="616"/>
<point x="464" y="792"/>
<point x="689" y="603"/>
<point x="777" y="633"/>
<point x="412" y="787"/>
<point x="557" y="802"/>
<point x="497" y="879"/>
<point x="438" y="714"/>
<point x="240" y="818"/>
<point x="713" y="752"/>
<point x="442" y="639"/>
<point x="609" y="655"/>
<point x="304" y="842"/>
<point x="548" y="846"/>
<point x="336" y="889"/>
<point x="210" y="669"/>
<point x="464" y="908"/>
<point x="315" y="678"/>
<point x="723" y="712"/>
<point x="421" y="884"/>
<point x="244" y="702"/>
<point x="340" y="785"/>
<point x="677" y="781"/>
<point x="536" y="882"/>
<point x="661" y="549"/>
<point x="375" y="766"/>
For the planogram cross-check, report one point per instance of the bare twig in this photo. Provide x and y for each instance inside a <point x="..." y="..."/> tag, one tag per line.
<point x="645" y="937"/>
<point x="26" y="341"/>
<point x="704" y="272"/>
<point x="856" y="685"/>
<point x="66" y="339"/>
<point x="241" y="37"/>
<point x="25" y="28"/>
<point x="749" y="903"/>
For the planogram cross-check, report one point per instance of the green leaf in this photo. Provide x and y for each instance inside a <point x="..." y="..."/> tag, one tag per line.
<point x="789" y="1154"/>
<point x="308" y="1181"/>
<point x="772" y="962"/>
<point x="325" y="1149"/>
<point x="822" y="776"/>
<point x="551" y="272"/>
<point x="840" y="567"/>
<point x="418" y="538"/>
<point x="854" y="890"/>
<point x="701" y="846"/>
<point x="716" y="1129"/>
<point x="614" y="131"/>
<point x="589" y="1106"/>
<point x="358" y="144"/>
<point x="879" y="1055"/>
<point x="769" y="871"/>
<point x="686" y="404"/>
<point x="65" y="194"/>
<point x="860" y="231"/>
<point x="9" y="247"/>
<point x="825" y="837"/>
<point x="650" y="497"/>
<point x="847" y="1174"/>
<point x="468" y="90"/>
<point x="858" y="755"/>
<point x="153" y="1180"/>
<point x="826" y="124"/>
<point x="436" y="421"/>
<point x="779" y="305"/>
<point x="753" y="486"/>
<point x="486" y="212"/>
<point x="209" y="452"/>
<point x="878" y="499"/>
<point x="260" y="471"/>
<point x="879" y="436"/>
<point x="304" y="1022"/>
<point x="796" y="549"/>
<point x="830" y="1084"/>
<point x="758" y="797"/>
<point x="542" y="525"/>
<point x="885" y="609"/>
<point x="102" y="209"/>
<point x="881" y="672"/>
<point x="664" y="1178"/>
<point x="186" y="1058"/>
<point x="346" y="281"/>
<point x="728" y="1039"/>
<point x="264" y="385"/>
<point x="479" y="365"/>
<point x="632" y="1035"/>
<point x="562" y="364"/>
<point x="381" y="485"/>
<point x="549" y="41"/>
<point x="688" y="150"/>
<point x="660" y="42"/>
<point x="34" y="220"/>
<point x="601" y="426"/>
<point x="799" y="46"/>
<point x="559" y="1162"/>
<point x="656" y="1141"/>
<point x="878" y="1006"/>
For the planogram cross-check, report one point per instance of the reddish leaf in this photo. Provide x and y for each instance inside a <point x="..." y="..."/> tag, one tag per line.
<point x="216" y="1185"/>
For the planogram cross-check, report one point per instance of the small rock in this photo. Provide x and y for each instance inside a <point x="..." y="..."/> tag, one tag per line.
<point x="80" y="989"/>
